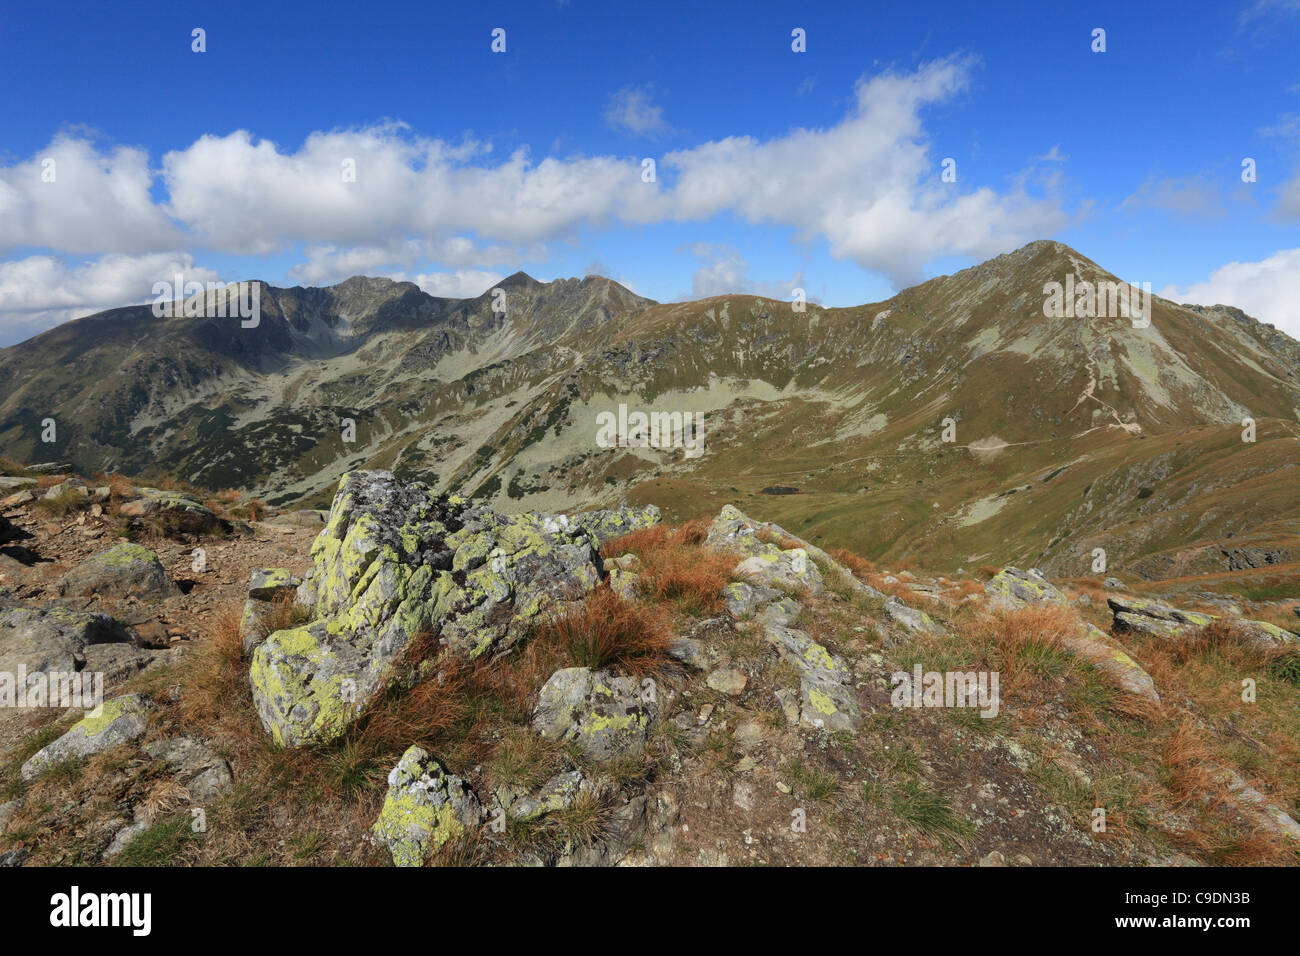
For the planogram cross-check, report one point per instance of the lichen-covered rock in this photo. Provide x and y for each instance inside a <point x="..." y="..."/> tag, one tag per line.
<point x="605" y="715"/>
<point x="733" y="530"/>
<point x="179" y="511"/>
<point x="395" y="561"/>
<point x="54" y="638"/>
<point x="119" y="721"/>
<point x="203" y="773"/>
<point x="424" y="808"/>
<point x="828" y="699"/>
<point x="558" y="793"/>
<point x="1022" y="587"/>
<point x="911" y="618"/>
<point x="792" y="569"/>
<point x="763" y="562"/>
<point x="615" y="522"/>
<point x="123" y="570"/>
<point x="1105" y="654"/>
<point x="744" y="600"/>
<point x="265" y="585"/>
<point x="623" y="583"/>
<point x="1170" y="623"/>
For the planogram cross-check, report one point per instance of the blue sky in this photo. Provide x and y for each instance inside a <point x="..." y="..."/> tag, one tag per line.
<point x="774" y="169"/>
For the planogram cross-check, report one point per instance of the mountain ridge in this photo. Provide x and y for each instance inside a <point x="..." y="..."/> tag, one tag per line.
<point x="503" y="405"/>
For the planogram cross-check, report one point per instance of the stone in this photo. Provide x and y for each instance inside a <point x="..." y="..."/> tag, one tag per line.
<point x="394" y="561"/>
<point x="178" y="512"/>
<point x="624" y="583"/>
<point x="119" y="721"/>
<point x="1169" y="623"/>
<point x="615" y="522"/>
<point x="1105" y="654"/>
<point x="205" y="774"/>
<point x="424" y="808"/>
<point x="54" y="638"/>
<point x="603" y="714"/>
<point x="743" y="600"/>
<point x="266" y="584"/>
<point x="727" y="680"/>
<point x="692" y="652"/>
<point x="1011" y="585"/>
<point x="123" y="837"/>
<point x="558" y="793"/>
<point x="124" y="570"/>
<point x="827" y="698"/>
<point x="911" y="618"/>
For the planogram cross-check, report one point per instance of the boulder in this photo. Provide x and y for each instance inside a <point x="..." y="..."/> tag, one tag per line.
<point x="54" y="638"/>
<point x="177" y="511"/>
<point x="604" y="714"/>
<point x="264" y="586"/>
<point x="727" y="680"/>
<point x="744" y="600"/>
<point x="614" y="522"/>
<point x="119" y="721"/>
<point x="424" y="808"/>
<point x="124" y="570"/>
<point x="1011" y="585"/>
<point x="204" y="774"/>
<point x="395" y="561"/>
<point x="827" y="696"/>
<point x="1170" y="623"/>
<point x="1104" y="653"/>
<point x="733" y="530"/>
<point x="911" y="618"/>
<point x="558" y="793"/>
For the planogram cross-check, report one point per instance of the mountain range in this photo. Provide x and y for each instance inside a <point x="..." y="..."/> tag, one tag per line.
<point x="953" y="424"/>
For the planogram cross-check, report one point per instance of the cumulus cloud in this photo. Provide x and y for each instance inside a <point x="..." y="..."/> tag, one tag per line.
<point x="867" y="185"/>
<point x="381" y="199"/>
<point x="1269" y="289"/>
<point x="632" y="111"/>
<point x="724" y="270"/>
<point x="40" y="292"/>
<point x="461" y="284"/>
<point x="73" y="198"/>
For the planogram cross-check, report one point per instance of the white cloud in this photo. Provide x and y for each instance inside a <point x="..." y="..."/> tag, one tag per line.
<point x="868" y="186"/>
<point x="724" y="270"/>
<point x="75" y="199"/>
<point x="1269" y="289"/>
<point x="40" y="292"/>
<point x="631" y="110"/>
<point x="461" y="284"/>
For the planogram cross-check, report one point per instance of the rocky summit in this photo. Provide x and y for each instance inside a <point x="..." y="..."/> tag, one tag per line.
<point x="567" y="577"/>
<point x="413" y="677"/>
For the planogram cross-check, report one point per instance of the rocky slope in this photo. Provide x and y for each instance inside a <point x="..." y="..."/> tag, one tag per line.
<point x="415" y="677"/>
<point x="1067" y="434"/>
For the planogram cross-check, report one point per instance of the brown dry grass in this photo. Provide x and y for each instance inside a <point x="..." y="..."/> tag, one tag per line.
<point x="605" y="630"/>
<point x="675" y="568"/>
<point x="858" y="565"/>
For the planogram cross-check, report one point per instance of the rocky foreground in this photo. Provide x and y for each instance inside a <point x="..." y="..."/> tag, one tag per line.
<point x="416" y="678"/>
